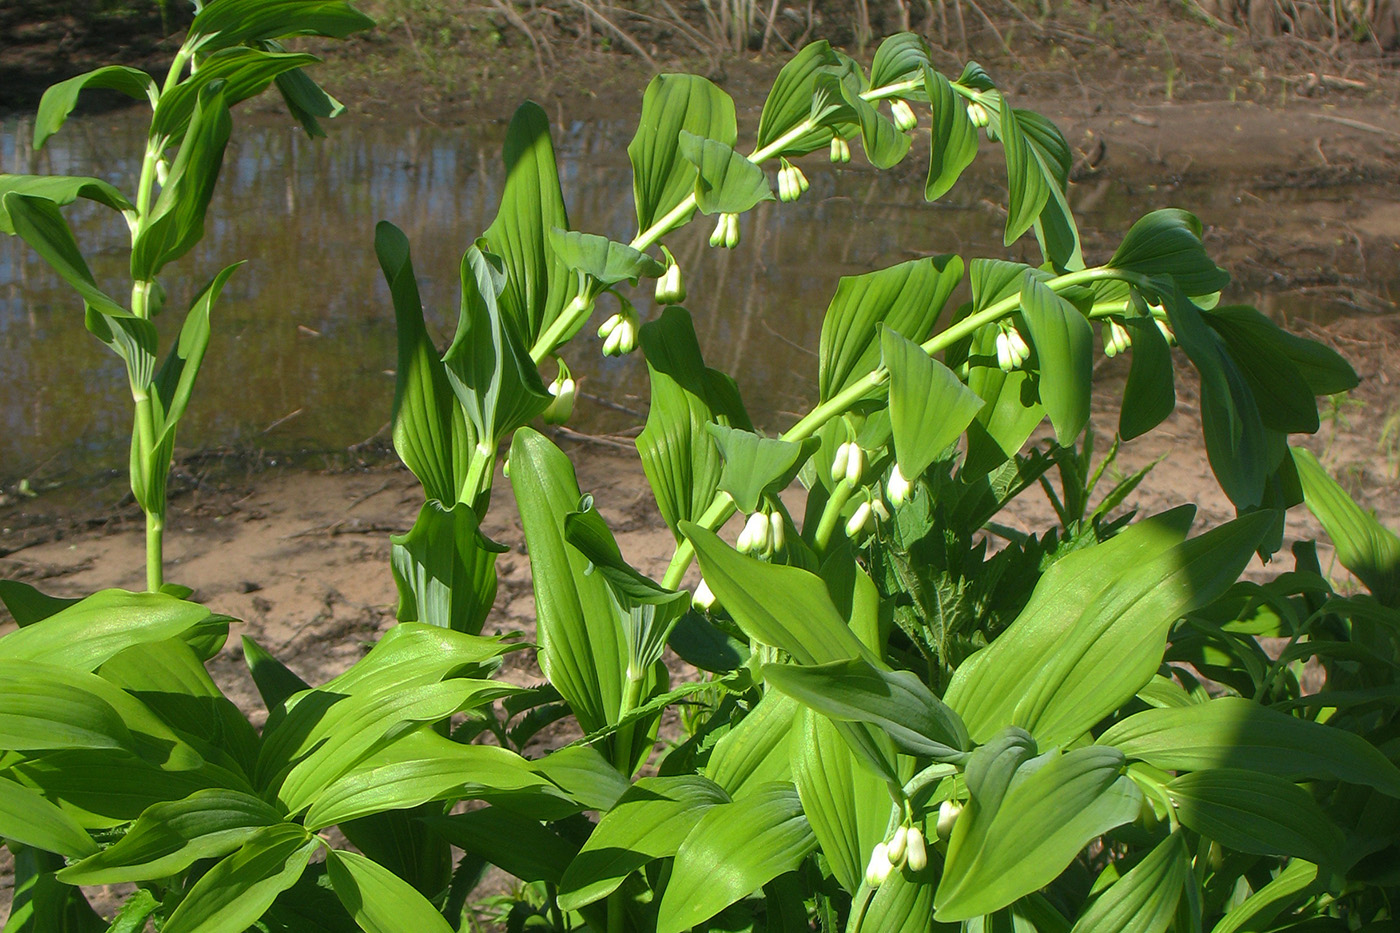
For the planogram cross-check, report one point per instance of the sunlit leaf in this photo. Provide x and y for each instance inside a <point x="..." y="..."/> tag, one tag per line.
<point x="757" y="468"/>
<point x="606" y="261"/>
<point x="755" y="752"/>
<point x="661" y="177"/>
<point x="237" y="890"/>
<point x="1168" y="242"/>
<point x="29" y="819"/>
<point x="1064" y="345"/>
<point x="60" y="99"/>
<point x="900" y="57"/>
<point x="231" y="22"/>
<point x="1255" y="813"/>
<point x="954" y="137"/>
<point x="1143" y="900"/>
<point x="379" y="900"/>
<point x="725" y="180"/>
<point x="1364" y="546"/>
<point x="790" y="101"/>
<point x="445" y="569"/>
<point x="929" y="405"/>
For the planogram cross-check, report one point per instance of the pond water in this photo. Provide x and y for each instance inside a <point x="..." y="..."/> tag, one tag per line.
<point x="303" y="345"/>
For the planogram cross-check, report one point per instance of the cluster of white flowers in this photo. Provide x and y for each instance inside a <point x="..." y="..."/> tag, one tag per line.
<point x="903" y="115"/>
<point x="1012" y="349"/>
<point x="764" y="534"/>
<point x="619" y="333"/>
<point x="726" y="231"/>
<point x="840" y="150"/>
<point x="1116" y="338"/>
<point x="791" y="182"/>
<point x="904" y="847"/>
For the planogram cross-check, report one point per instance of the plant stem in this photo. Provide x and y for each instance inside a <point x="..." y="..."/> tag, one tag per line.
<point x="831" y="516"/>
<point x="155" y="570"/>
<point x="622" y="748"/>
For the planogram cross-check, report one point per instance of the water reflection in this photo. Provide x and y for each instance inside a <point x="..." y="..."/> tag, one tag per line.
<point x="304" y="337"/>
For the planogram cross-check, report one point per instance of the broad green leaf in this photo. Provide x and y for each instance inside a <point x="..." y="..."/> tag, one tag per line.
<point x="1117" y="643"/>
<point x="1231" y="732"/>
<point x="516" y="844"/>
<point x="900" y="57"/>
<point x="60" y="99"/>
<point x="174" y="382"/>
<point x="1286" y="401"/>
<point x="445" y="569"/>
<point x="488" y="363"/>
<point x="244" y="73"/>
<point x="582" y="650"/>
<point x="170" y="837"/>
<point x="846" y="804"/>
<point x="648" y="822"/>
<point x="606" y="261"/>
<point x="699" y="642"/>
<point x="1028" y="188"/>
<point x="896" y="701"/>
<point x="1011" y="412"/>
<point x="233" y="22"/>
<point x="39" y="223"/>
<point x="532" y="204"/>
<point x="1168" y="242"/>
<point x="60" y="189"/>
<point x="1144" y="900"/>
<point x="986" y="688"/>
<point x="907" y="299"/>
<point x="904" y="904"/>
<point x="1150" y="393"/>
<point x="755" y="752"/>
<point x="306" y="101"/>
<point x="734" y="849"/>
<point x="1259" y="910"/>
<point x="27" y="818"/>
<point x="976" y="77"/>
<point x="1064" y="346"/>
<point x="1322" y="368"/>
<point x="1047" y="816"/>
<point x="274" y="680"/>
<point x="929" y="405"/>
<point x="1255" y="813"/>
<point x="134" y="912"/>
<point x="681" y="459"/>
<point x="757" y="468"/>
<point x="661" y="177"/>
<point x="584" y="774"/>
<point x="102" y="788"/>
<point x="176" y="221"/>
<point x="780" y="606"/>
<point x="89" y="632"/>
<point x="885" y="145"/>
<point x="587" y="531"/>
<point x="237" y="890"/>
<point x="790" y="101"/>
<point x="954" y="137"/>
<point x="27" y="605"/>
<point x="431" y="434"/>
<point x="1054" y="228"/>
<point x="379" y="900"/>
<point x="1364" y="546"/>
<point x="725" y="182"/>
<point x="42" y="904"/>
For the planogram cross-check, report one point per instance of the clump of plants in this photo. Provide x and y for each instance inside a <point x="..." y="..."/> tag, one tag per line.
<point x="888" y="722"/>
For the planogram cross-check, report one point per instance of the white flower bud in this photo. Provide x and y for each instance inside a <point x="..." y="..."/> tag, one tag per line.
<point x="879" y="867"/>
<point x="978" y="115"/>
<point x="840" y="150"/>
<point x="948" y="813"/>
<point x="877" y="506"/>
<point x="607" y="327"/>
<point x="1116" y="338"/>
<point x="704" y="597"/>
<point x="896" y="847"/>
<point x="613" y="342"/>
<point x="731" y="231"/>
<point x="756" y="534"/>
<point x="839" y="461"/>
<point x="918" y="854"/>
<point x="801" y="179"/>
<point x="1004" y="362"/>
<point x="626" y="336"/>
<point x="1020" y="350"/>
<point x="505" y="468"/>
<point x="859" y="520"/>
<point x="897" y="487"/>
<point x="721" y="226"/>
<point x="670" y="289"/>
<point x="903" y="115"/>
<point x="562" y="407"/>
<point x="855" y="464"/>
<point x="777" y="531"/>
<point x="784" y="186"/>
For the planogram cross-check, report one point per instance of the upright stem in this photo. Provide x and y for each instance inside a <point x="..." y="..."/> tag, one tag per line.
<point x="155" y="569"/>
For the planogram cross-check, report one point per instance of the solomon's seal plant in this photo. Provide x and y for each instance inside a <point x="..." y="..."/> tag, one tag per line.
<point x="887" y="723"/>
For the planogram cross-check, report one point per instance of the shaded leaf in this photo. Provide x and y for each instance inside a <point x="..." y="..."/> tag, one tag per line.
<point x="725" y="180"/>
<point x="929" y="405"/>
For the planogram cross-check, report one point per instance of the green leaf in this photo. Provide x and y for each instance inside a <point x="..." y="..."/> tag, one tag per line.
<point x="174" y="383"/>
<point x="103" y="788"/>
<point x="846" y="804"/>
<point x="1150" y="393"/>
<point x="237" y="890"/>
<point x="532" y="204"/>
<point x="725" y="182"/>
<point x="1286" y="401"/>
<point x="61" y="190"/>
<point x="755" y="752"/>
<point x="27" y="605"/>
<point x="987" y="687"/>
<point x="1232" y="732"/>
<point x="900" y="57"/>
<point x="170" y="837"/>
<point x="275" y="682"/>
<point x="1028" y="188"/>
<point x="306" y="101"/>
<point x="39" y="223"/>
<point x="431" y="433"/>
<point x="734" y="849"/>
<point x="1322" y="368"/>
<point x="1255" y="813"/>
<point x="929" y="405"/>
<point x="582" y="651"/>
<point x="649" y="822"/>
<point x="488" y="363"/>
<point x="1004" y="850"/>
<point x="661" y="177"/>
<point x="605" y="260"/>
<point x="1364" y="546"/>
<point x="885" y="145"/>
<point x="1064" y="346"/>
<point x="29" y="819"/>
<point x="954" y="138"/>
<point x="1117" y="643"/>
<point x="1144" y="900"/>
<point x="790" y="101"/>
<point x="1259" y="910"/>
<point x="757" y="468"/>
<point x="681" y="459"/>
<point x="445" y="569"/>
<point x="1054" y="228"/>
<point x="1168" y="242"/>
<point x="904" y="904"/>
<point x="516" y="844"/>
<point x="60" y="99"/>
<point x="176" y="221"/>
<point x="907" y="299"/>
<point x="780" y="606"/>
<point x="379" y="900"/>
<point x="243" y="73"/>
<point x="896" y="701"/>
<point x="92" y="630"/>
<point x="233" y="22"/>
